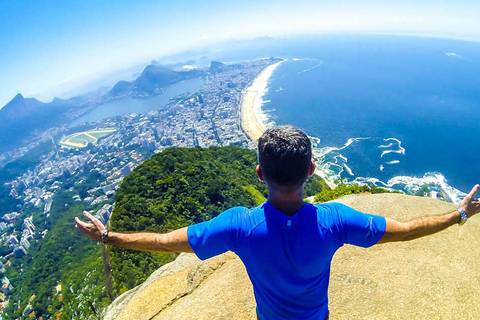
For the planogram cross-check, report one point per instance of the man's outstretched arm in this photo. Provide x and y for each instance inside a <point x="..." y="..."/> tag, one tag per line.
<point x="424" y="226"/>
<point x="175" y="241"/>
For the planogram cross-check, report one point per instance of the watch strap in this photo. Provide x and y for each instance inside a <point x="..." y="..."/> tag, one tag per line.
<point x="463" y="216"/>
<point x="104" y="236"/>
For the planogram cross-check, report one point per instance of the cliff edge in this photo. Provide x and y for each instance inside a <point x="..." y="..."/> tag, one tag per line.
<point x="436" y="277"/>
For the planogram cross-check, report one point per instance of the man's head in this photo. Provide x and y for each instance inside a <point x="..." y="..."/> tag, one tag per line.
<point x="284" y="156"/>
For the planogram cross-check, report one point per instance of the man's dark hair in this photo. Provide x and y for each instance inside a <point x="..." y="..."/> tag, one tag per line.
<point x="284" y="155"/>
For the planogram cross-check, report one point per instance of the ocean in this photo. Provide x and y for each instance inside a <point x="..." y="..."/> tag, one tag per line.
<point x="394" y="111"/>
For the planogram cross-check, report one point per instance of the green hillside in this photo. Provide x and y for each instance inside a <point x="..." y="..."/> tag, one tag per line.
<point x="176" y="188"/>
<point x="63" y="273"/>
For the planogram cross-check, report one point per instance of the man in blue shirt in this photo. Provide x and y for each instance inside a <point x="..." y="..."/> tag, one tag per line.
<point x="285" y="243"/>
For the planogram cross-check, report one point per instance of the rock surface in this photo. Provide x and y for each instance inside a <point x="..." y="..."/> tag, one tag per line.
<point x="436" y="277"/>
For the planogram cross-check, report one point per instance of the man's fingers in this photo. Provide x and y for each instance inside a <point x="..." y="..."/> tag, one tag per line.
<point x="88" y="215"/>
<point x="473" y="191"/>
<point x="79" y="223"/>
<point x="81" y="226"/>
<point x="94" y="220"/>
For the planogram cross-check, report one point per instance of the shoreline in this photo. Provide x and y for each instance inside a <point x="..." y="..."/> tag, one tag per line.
<point x="253" y="126"/>
<point x="252" y="103"/>
<point x="251" y="106"/>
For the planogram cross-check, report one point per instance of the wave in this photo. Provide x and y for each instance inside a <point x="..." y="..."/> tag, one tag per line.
<point x="393" y="162"/>
<point x="304" y="59"/>
<point x="411" y="185"/>
<point x="453" y="54"/>
<point x="331" y="171"/>
<point x="332" y="166"/>
<point x="311" y="68"/>
<point x="387" y="146"/>
<point x="350" y="172"/>
<point x="400" y="150"/>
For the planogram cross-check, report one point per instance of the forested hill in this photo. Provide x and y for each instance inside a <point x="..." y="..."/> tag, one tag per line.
<point x="176" y="188"/>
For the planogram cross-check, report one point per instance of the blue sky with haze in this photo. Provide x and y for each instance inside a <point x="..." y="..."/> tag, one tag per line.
<point x="46" y="43"/>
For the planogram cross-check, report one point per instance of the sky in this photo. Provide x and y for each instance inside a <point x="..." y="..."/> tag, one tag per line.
<point x="48" y="46"/>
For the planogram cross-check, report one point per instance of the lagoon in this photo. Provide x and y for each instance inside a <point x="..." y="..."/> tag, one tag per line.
<point x="135" y="105"/>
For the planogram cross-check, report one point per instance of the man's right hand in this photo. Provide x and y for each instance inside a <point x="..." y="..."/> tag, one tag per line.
<point x="175" y="241"/>
<point x="470" y="204"/>
<point x="93" y="230"/>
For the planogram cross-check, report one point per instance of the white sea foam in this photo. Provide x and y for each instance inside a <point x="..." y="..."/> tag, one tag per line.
<point x="393" y="162"/>
<point x="387" y="146"/>
<point x="304" y="59"/>
<point x="350" y="172"/>
<point x="332" y="170"/>
<point x="326" y="169"/>
<point x="400" y="150"/>
<point x="394" y="139"/>
<point x="455" y="55"/>
<point x="322" y="152"/>
<point x="412" y="184"/>
<point x="309" y="69"/>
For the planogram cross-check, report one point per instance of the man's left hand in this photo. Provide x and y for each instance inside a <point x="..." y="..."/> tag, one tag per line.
<point x="469" y="204"/>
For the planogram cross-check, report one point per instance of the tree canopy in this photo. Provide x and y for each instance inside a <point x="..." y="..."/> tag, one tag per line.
<point x="179" y="187"/>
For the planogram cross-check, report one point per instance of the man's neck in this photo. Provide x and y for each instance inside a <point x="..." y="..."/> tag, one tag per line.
<point x="287" y="202"/>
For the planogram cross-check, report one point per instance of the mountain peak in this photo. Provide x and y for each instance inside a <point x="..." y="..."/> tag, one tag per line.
<point x="17" y="97"/>
<point x="19" y="107"/>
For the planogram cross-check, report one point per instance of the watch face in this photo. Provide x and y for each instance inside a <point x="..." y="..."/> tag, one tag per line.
<point x="104" y="236"/>
<point x="463" y="216"/>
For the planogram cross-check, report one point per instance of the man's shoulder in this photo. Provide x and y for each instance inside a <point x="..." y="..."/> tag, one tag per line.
<point x="236" y="210"/>
<point x="331" y="213"/>
<point x="331" y="206"/>
<point x="246" y="219"/>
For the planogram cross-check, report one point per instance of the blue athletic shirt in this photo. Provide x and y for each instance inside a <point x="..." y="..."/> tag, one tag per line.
<point x="287" y="257"/>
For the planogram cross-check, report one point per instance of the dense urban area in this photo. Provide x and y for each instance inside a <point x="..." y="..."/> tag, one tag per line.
<point x="208" y="117"/>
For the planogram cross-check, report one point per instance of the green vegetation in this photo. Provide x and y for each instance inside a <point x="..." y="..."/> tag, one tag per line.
<point x="64" y="256"/>
<point x="176" y="188"/>
<point x="349" y="188"/>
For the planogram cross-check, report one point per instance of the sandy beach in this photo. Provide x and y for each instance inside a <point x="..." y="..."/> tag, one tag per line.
<point x="252" y="103"/>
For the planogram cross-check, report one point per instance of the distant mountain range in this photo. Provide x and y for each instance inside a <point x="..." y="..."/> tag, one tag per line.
<point x="21" y="108"/>
<point x="152" y="80"/>
<point x="22" y="116"/>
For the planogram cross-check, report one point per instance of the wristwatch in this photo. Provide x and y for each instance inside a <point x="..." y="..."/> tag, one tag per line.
<point x="463" y="216"/>
<point x="104" y="236"/>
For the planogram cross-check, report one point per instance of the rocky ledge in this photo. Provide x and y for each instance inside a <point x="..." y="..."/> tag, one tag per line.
<point x="436" y="277"/>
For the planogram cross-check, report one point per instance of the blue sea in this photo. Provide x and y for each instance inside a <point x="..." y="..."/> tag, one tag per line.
<point x="394" y="111"/>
